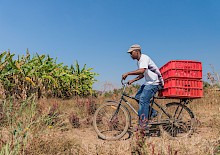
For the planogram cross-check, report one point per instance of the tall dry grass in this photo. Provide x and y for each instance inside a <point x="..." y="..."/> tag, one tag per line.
<point x="56" y="126"/>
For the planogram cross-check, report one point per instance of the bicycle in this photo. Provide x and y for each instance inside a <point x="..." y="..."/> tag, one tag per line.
<point x="113" y="119"/>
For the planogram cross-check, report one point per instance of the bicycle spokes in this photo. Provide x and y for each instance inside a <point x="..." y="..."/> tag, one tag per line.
<point x="180" y="122"/>
<point x="111" y="121"/>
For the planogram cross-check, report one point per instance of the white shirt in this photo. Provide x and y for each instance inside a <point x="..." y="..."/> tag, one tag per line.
<point x="152" y="73"/>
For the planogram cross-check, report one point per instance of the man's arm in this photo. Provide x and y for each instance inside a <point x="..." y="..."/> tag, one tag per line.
<point x="136" y="79"/>
<point x="139" y="71"/>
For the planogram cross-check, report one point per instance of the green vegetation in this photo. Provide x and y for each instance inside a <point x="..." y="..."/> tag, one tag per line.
<point x="41" y="75"/>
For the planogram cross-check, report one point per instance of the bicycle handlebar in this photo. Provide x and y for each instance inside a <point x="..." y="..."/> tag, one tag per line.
<point x="123" y="83"/>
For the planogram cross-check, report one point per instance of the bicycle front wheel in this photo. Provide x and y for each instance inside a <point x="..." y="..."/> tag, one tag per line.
<point x="111" y="122"/>
<point x="181" y="121"/>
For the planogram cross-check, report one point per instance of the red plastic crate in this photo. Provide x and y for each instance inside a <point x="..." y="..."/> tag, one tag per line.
<point x="183" y="83"/>
<point x="182" y="73"/>
<point x="182" y="79"/>
<point x="181" y="64"/>
<point x="182" y="88"/>
<point x="178" y="92"/>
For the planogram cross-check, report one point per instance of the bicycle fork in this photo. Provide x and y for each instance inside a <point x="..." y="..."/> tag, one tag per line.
<point x="116" y="111"/>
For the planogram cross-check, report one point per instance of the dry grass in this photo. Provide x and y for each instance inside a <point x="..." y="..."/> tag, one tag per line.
<point x="51" y="131"/>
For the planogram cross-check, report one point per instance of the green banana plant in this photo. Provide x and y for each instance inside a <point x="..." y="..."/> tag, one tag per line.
<point x="41" y="74"/>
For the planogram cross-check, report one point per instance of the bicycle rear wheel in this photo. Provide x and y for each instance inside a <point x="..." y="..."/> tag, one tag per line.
<point x="111" y="123"/>
<point x="181" y="121"/>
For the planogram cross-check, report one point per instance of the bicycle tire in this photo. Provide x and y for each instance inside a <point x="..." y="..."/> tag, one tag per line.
<point x="177" y="127"/>
<point x="113" y="128"/>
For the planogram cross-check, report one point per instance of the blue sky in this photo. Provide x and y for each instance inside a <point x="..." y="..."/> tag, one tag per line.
<point x="99" y="32"/>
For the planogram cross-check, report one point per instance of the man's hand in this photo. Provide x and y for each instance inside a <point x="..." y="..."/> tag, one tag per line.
<point x="124" y="76"/>
<point x="130" y="82"/>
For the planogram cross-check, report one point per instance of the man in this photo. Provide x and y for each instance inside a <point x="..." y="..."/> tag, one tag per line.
<point x="153" y="81"/>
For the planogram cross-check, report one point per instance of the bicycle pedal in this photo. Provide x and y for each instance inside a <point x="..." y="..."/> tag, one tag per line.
<point x="149" y="125"/>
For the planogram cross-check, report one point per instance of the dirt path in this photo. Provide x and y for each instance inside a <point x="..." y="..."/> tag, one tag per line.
<point x="204" y="139"/>
<point x="91" y="144"/>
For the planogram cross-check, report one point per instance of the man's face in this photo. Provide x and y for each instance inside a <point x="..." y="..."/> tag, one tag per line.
<point x="134" y="54"/>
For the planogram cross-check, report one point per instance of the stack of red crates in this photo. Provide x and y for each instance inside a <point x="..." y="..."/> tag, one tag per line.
<point x="182" y="79"/>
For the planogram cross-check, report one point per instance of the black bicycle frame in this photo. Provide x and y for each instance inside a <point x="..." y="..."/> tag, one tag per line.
<point x="152" y="102"/>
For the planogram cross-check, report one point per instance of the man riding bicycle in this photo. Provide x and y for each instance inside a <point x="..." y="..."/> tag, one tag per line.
<point x="153" y="81"/>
